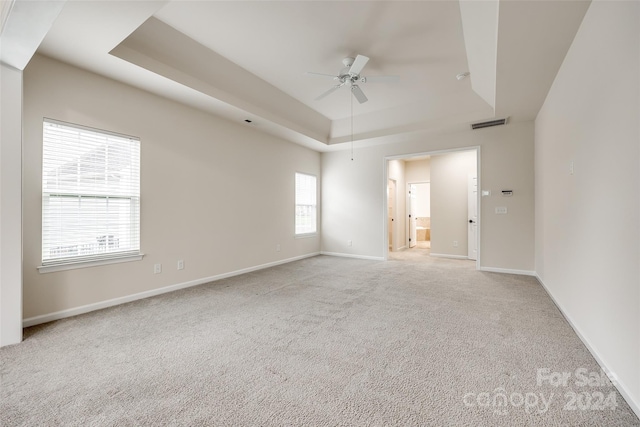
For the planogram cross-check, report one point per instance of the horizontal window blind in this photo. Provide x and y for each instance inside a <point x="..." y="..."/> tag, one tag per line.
<point x="90" y="194"/>
<point x="306" y="204"/>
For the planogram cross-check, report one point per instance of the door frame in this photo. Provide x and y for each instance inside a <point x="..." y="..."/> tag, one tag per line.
<point x="385" y="175"/>
<point x="394" y="226"/>
<point x="471" y="225"/>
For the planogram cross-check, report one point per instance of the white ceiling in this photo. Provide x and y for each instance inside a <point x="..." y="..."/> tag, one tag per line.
<point x="247" y="59"/>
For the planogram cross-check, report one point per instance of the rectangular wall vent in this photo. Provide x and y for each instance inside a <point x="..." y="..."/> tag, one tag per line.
<point x="490" y="123"/>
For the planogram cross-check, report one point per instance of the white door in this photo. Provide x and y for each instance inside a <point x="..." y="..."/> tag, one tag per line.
<point x="472" y="206"/>
<point x="391" y="206"/>
<point x="419" y="207"/>
<point x="413" y="215"/>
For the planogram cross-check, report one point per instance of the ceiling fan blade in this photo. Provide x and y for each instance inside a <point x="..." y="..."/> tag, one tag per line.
<point x="309" y="73"/>
<point x="359" y="94"/>
<point x="381" y="79"/>
<point x="358" y="64"/>
<point x="329" y="92"/>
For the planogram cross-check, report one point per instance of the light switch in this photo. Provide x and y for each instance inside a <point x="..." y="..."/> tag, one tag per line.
<point x="501" y="210"/>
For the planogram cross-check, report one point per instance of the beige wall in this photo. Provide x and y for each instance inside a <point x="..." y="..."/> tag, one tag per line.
<point x="449" y="200"/>
<point x="354" y="191"/>
<point x="213" y="193"/>
<point x="587" y="223"/>
<point x="418" y="170"/>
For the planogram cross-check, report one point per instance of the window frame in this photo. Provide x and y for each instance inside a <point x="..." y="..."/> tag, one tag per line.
<point x="296" y="204"/>
<point x="134" y="206"/>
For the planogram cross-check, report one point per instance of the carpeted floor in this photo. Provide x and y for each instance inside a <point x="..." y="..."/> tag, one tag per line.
<point x="322" y="341"/>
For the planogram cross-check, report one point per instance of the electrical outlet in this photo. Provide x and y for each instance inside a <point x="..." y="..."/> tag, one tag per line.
<point x="180" y="264"/>
<point x="278" y="248"/>
<point x="349" y="243"/>
<point x="455" y="243"/>
<point x="157" y="268"/>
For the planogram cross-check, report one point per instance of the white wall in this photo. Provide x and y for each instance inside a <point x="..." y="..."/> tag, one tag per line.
<point x="587" y="223"/>
<point x="10" y="205"/>
<point x="449" y="200"/>
<point x="354" y="191"/>
<point x="216" y="194"/>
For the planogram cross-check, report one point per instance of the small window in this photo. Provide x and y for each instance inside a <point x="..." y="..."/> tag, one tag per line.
<point x="306" y="204"/>
<point x="90" y="194"/>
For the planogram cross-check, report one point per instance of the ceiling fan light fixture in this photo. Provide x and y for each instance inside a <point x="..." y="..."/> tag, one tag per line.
<point x="348" y="61"/>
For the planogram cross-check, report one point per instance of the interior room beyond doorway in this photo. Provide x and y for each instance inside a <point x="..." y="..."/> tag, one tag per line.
<point x="432" y="206"/>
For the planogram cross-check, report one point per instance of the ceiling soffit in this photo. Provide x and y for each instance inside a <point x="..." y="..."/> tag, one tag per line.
<point x="253" y="67"/>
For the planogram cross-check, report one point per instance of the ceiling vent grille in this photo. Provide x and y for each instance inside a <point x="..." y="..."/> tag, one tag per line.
<point x="498" y="122"/>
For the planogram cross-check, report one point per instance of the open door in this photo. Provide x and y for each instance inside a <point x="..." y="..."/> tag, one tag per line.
<point x="413" y="216"/>
<point x="391" y="203"/>
<point x="419" y="196"/>
<point x="472" y="206"/>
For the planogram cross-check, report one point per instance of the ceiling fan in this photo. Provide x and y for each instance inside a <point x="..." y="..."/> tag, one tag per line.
<point x="350" y="76"/>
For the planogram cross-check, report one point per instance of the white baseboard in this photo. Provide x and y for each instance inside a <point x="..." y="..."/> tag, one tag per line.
<point x="402" y="248"/>
<point x="508" y="271"/>
<point x="449" y="256"/>
<point x="373" y="258"/>
<point x="619" y="384"/>
<point x="36" y="320"/>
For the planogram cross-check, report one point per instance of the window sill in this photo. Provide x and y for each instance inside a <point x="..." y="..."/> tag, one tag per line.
<point x="72" y="265"/>
<point x="305" y="235"/>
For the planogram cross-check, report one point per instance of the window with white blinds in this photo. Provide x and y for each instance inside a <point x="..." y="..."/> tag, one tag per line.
<point x="90" y="194"/>
<point x="306" y="204"/>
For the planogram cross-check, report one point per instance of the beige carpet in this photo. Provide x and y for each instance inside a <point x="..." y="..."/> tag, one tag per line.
<point x="413" y="341"/>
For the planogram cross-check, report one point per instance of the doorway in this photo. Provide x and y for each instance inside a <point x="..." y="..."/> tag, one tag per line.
<point x="449" y="226"/>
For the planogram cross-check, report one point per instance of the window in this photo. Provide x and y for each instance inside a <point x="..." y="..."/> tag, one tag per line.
<point x="306" y="205"/>
<point x="90" y="194"/>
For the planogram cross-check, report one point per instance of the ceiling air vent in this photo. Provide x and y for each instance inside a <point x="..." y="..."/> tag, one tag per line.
<point x="488" y="124"/>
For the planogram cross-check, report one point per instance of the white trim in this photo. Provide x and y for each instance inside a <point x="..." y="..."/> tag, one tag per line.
<point x="617" y="382"/>
<point x="450" y="256"/>
<point x="36" y="320"/>
<point x="343" y="255"/>
<point x="508" y="271"/>
<point x="431" y="153"/>
<point x="394" y="224"/>
<point x="402" y="248"/>
<point x="89" y="128"/>
<point x="479" y="204"/>
<point x="306" y="235"/>
<point x="88" y="263"/>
